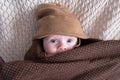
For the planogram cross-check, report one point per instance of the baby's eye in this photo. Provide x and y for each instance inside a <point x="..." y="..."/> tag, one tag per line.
<point x="69" y="40"/>
<point x="53" y="41"/>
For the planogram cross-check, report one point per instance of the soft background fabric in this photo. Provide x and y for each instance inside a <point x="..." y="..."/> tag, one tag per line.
<point x="99" y="19"/>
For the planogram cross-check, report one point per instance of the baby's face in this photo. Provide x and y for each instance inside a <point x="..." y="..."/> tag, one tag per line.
<point x="58" y="43"/>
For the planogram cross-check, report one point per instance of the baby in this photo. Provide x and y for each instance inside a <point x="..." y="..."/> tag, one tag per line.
<point x="59" y="29"/>
<point x="55" y="44"/>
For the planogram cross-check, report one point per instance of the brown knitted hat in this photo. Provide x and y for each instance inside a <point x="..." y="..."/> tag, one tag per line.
<point x="54" y="19"/>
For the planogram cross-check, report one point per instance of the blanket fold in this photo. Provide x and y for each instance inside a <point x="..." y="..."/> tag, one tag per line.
<point x="95" y="61"/>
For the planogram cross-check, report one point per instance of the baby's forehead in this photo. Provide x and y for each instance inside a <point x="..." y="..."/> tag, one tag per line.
<point x="59" y="36"/>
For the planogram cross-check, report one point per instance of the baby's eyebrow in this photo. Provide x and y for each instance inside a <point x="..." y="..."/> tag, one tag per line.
<point x="52" y="39"/>
<point x="71" y="38"/>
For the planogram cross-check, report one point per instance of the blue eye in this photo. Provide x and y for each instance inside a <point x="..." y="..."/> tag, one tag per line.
<point x="69" y="40"/>
<point x="53" y="41"/>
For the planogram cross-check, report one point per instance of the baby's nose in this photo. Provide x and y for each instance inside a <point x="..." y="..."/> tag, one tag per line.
<point x="62" y="47"/>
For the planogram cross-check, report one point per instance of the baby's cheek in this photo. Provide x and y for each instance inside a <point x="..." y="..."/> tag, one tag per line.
<point x="52" y="50"/>
<point x="70" y="46"/>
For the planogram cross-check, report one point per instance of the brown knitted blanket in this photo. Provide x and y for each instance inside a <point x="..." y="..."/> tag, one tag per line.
<point x="95" y="61"/>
